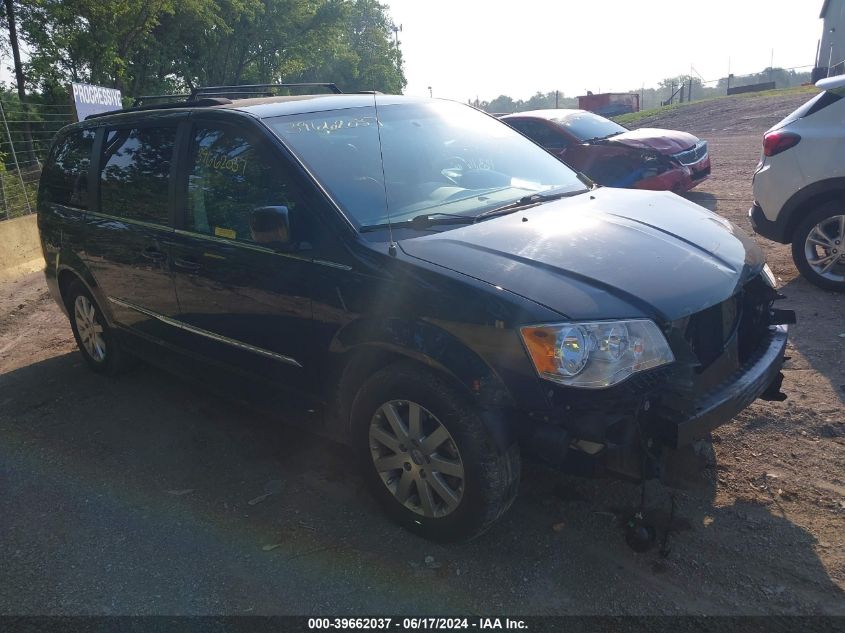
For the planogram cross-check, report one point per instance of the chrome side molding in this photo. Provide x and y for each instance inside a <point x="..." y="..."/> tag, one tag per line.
<point x="210" y="335"/>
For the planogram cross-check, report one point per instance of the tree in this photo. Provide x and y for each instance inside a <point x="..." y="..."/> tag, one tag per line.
<point x="502" y="103"/>
<point x="11" y="23"/>
<point x="161" y="46"/>
<point x="88" y="40"/>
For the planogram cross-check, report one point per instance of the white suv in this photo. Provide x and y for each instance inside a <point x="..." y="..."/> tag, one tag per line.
<point x="799" y="186"/>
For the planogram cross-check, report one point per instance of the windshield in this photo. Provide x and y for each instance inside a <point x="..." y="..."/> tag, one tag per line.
<point x="586" y="126"/>
<point x="438" y="157"/>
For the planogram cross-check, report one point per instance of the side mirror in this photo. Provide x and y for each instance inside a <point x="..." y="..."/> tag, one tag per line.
<point x="271" y="226"/>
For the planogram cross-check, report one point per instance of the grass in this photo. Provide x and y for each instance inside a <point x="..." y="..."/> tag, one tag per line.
<point x="635" y="117"/>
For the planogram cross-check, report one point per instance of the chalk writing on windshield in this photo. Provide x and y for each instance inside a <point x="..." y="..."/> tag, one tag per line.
<point x="328" y="125"/>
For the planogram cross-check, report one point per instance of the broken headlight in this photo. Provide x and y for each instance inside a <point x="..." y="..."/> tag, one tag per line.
<point x="597" y="354"/>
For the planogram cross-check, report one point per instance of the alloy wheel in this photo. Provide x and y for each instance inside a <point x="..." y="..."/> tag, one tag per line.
<point x="90" y="331"/>
<point x="824" y="248"/>
<point x="416" y="458"/>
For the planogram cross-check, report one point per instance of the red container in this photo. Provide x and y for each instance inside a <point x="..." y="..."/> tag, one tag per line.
<point x="610" y="103"/>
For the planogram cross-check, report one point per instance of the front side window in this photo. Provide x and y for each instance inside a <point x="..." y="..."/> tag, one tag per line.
<point x="136" y="173"/>
<point x="540" y="132"/>
<point x="230" y="178"/>
<point x="65" y="178"/>
<point x="439" y="157"/>
<point x="586" y="126"/>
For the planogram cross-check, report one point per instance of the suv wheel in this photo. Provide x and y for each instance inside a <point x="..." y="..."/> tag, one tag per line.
<point x="818" y="247"/>
<point x="94" y="338"/>
<point x="427" y="456"/>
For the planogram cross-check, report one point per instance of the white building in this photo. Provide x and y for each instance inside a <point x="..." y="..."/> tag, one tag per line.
<point x="831" y="51"/>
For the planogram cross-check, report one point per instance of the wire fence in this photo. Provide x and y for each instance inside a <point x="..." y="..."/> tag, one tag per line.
<point x="694" y="87"/>
<point x="26" y="131"/>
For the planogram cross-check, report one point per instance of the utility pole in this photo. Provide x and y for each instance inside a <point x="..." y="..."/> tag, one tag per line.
<point x="729" y="73"/>
<point x="557" y="99"/>
<point x="19" y="77"/>
<point x="689" y="84"/>
<point x="772" y="66"/>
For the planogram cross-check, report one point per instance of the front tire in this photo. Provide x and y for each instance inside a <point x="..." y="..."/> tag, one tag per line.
<point x="818" y="247"/>
<point x="96" y="340"/>
<point x="427" y="457"/>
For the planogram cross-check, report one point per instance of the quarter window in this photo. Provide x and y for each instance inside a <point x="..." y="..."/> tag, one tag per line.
<point x="136" y="173"/>
<point x="66" y="176"/>
<point x="229" y="178"/>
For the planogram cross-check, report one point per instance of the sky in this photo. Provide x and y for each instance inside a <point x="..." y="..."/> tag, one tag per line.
<point x="465" y="49"/>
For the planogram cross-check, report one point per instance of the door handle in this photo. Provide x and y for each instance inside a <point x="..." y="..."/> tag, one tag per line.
<point x="151" y="252"/>
<point x="187" y="264"/>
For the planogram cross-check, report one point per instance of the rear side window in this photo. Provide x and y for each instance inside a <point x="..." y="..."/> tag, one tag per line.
<point x="136" y="173"/>
<point x="819" y="102"/>
<point x="65" y="178"/>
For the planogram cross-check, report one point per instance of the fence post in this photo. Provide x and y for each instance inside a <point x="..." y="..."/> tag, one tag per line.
<point x="3" y="193"/>
<point x="15" y="158"/>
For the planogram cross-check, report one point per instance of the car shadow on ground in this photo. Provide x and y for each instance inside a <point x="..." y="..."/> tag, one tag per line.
<point x="703" y="198"/>
<point x="147" y="495"/>
<point x="819" y="334"/>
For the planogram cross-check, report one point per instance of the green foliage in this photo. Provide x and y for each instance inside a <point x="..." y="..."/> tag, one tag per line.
<point x="162" y="46"/>
<point x="504" y="104"/>
<point x="13" y="201"/>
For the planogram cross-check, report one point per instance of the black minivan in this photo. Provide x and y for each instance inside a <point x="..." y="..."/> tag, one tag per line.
<point x="413" y="278"/>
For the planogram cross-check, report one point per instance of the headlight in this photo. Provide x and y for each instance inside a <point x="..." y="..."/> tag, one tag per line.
<point x="595" y="355"/>
<point x="769" y="276"/>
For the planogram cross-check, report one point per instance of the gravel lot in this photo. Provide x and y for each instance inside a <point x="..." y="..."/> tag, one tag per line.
<point x="147" y="495"/>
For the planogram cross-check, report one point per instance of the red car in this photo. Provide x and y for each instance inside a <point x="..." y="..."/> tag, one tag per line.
<point x="611" y="155"/>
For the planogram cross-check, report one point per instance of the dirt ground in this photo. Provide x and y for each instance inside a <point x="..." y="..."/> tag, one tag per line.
<point x="147" y="495"/>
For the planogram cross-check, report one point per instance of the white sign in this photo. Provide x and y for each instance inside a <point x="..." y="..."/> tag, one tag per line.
<point x="90" y="100"/>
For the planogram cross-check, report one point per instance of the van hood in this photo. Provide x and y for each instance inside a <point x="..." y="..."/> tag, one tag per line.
<point x="666" y="142"/>
<point x="609" y="253"/>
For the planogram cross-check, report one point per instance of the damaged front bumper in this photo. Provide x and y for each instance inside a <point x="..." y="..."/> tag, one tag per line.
<point x="624" y="431"/>
<point x="758" y="377"/>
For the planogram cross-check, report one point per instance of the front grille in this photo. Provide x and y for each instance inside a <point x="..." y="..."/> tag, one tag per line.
<point x="718" y="345"/>
<point x="693" y="155"/>
<point x="710" y="332"/>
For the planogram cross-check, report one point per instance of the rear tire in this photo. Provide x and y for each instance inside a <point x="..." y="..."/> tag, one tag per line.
<point x="96" y="340"/>
<point x="427" y="457"/>
<point x="818" y="247"/>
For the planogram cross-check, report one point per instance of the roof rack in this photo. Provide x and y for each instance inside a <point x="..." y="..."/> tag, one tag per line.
<point x="143" y="99"/>
<point x="208" y="96"/>
<point x="205" y="102"/>
<point x="261" y="90"/>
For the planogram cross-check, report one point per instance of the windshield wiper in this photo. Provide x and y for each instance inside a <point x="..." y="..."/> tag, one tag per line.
<point x="427" y="220"/>
<point x="422" y="222"/>
<point x="605" y="137"/>
<point x="524" y="202"/>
